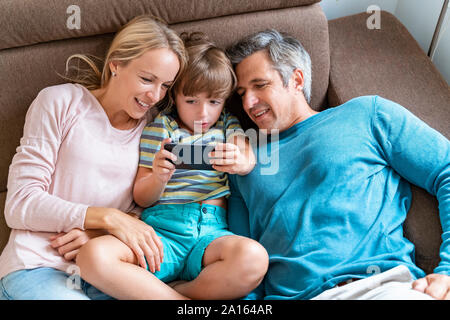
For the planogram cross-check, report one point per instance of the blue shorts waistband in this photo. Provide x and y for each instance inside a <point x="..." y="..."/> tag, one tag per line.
<point x="187" y="209"/>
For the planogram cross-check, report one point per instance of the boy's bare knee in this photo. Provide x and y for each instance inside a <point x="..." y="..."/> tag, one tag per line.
<point x="252" y="260"/>
<point x="93" y="256"/>
<point x="257" y="259"/>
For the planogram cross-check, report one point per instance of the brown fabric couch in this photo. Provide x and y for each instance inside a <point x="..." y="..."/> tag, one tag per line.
<point x="348" y="60"/>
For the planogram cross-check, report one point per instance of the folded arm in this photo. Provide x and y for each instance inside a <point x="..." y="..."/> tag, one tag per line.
<point x="421" y="155"/>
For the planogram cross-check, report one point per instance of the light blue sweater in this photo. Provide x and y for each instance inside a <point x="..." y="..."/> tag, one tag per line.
<point x="335" y="208"/>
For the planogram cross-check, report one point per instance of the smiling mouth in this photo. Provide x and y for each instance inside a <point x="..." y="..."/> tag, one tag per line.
<point x="260" y="113"/>
<point x="142" y="104"/>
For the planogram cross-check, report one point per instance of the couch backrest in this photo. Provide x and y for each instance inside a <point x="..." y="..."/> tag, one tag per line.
<point x="36" y="43"/>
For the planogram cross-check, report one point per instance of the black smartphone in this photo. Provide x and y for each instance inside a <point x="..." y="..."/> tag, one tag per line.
<point x="191" y="156"/>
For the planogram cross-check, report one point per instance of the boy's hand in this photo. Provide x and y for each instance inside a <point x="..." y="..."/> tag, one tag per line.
<point x="163" y="169"/>
<point x="232" y="158"/>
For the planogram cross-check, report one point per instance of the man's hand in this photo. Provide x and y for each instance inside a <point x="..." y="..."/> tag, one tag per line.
<point x="436" y="285"/>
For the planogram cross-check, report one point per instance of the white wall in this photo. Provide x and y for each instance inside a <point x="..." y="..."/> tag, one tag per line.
<point x="340" y="8"/>
<point x="441" y="57"/>
<point x="418" y="16"/>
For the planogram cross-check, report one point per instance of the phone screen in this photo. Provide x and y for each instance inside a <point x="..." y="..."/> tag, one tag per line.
<point x="191" y="156"/>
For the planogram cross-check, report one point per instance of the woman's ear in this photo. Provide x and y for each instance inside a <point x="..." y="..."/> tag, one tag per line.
<point x="113" y="65"/>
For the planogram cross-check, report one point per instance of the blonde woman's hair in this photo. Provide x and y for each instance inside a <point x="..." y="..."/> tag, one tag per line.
<point x="130" y="42"/>
<point x="209" y="69"/>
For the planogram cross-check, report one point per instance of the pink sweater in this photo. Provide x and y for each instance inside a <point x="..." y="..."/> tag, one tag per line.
<point x="70" y="157"/>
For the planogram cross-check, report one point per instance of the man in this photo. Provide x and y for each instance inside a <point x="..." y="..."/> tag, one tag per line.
<point x="331" y="216"/>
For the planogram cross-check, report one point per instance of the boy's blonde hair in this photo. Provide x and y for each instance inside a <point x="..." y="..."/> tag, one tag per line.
<point x="131" y="41"/>
<point x="208" y="70"/>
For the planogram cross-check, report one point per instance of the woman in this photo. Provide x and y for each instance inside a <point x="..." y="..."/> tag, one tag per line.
<point x="72" y="176"/>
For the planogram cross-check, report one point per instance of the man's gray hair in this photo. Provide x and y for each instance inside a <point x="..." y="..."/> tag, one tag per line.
<point x="286" y="53"/>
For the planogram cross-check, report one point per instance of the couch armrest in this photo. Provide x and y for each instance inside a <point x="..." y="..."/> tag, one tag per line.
<point x="388" y="62"/>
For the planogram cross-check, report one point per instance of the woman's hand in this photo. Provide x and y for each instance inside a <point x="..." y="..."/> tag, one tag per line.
<point x="233" y="158"/>
<point x="139" y="236"/>
<point x="163" y="169"/>
<point x="69" y="243"/>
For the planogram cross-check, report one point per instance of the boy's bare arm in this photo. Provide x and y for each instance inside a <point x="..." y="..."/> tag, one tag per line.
<point x="147" y="187"/>
<point x="150" y="183"/>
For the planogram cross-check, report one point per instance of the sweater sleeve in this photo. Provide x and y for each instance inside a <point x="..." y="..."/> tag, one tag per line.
<point x="29" y="205"/>
<point x="419" y="154"/>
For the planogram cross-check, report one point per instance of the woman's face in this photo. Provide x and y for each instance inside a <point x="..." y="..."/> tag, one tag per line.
<point x="143" y="81"/>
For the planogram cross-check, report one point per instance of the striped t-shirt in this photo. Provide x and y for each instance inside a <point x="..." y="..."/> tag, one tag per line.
<point x="188" y="185"/>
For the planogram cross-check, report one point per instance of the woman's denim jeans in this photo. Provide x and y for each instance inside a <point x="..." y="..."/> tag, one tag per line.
<point x="47" y="284"/>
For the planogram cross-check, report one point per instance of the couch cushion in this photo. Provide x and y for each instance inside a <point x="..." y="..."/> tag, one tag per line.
<point x="388" y="62"/>
<point x="26" y="70"/>
<point x="24" y="22"/>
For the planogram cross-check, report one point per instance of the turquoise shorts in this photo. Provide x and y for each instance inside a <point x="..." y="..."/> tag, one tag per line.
<point x="185" y="230"/>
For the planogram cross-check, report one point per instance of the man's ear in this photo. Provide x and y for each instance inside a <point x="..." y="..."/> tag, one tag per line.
<point x="298" y="79"/>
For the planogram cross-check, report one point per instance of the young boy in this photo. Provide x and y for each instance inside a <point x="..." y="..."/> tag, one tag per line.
<point x="187" y="208"/>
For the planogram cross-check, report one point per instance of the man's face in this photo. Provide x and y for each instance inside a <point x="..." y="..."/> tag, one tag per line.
<point x="267" y="102"/>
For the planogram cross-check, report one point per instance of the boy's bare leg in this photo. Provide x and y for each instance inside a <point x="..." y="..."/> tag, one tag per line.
<point x="233" y="266"/>
<point x="111" y="266"/>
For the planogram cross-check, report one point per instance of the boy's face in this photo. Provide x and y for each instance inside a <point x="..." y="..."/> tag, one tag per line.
<point x="198" y="113"/>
